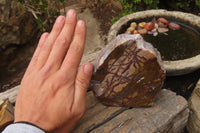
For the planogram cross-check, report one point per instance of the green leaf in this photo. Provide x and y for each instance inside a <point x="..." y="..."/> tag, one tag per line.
<point x="197" y="3"/>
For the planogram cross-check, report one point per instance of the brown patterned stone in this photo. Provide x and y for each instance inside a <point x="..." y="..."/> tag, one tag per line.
<point x="128" y="72"/>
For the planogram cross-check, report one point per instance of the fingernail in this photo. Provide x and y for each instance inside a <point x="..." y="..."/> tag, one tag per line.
<point x="44" y="36"/>
<point x="80" y="23"/>
<point x="88" y="69"/>
<point x="59" y="19"/>
<point x="71" y="13"/>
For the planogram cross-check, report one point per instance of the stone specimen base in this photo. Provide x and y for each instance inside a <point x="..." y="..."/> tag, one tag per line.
<point x="194" y="105"/>
<point x="168" y="114"/>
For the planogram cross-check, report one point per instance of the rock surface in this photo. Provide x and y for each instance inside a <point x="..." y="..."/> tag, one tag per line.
<point x="17" y="25"/>
<point x="194" y="105"/>
<point x="169" y="114"/>
<point x="94" y="41"/>
<point x="128" y="72"/>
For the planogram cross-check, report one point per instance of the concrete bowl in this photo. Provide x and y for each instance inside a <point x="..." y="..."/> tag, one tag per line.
<point x="173" y="68"/>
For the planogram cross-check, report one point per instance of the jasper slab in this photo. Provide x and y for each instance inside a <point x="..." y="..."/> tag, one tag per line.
<point x="128" y="72"/>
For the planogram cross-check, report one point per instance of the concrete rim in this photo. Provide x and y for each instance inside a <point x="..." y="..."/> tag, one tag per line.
<point x="173" y="68"/>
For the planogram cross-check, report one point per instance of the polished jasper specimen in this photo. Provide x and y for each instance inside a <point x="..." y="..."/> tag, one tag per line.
<point x="128" y="72"/>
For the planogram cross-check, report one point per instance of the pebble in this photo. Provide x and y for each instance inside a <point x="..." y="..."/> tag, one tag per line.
<point x="139" y="27"/>
<point x="163" y="30"/>
<point x="149" y="26"/>
<point x="174" y="26"/>
<point x="160" y="24"/>
<point x="135" y="32"/>
<point x="163" y="20"/>
<point x="154" y="30"/>
<point x="142" y="31"/>
<point x="142" y="24"/>
<point x="154" y="27"/>
<point x="131" y="29"/>
<point x="155" y="33"/>
<point x="133" y="24"/>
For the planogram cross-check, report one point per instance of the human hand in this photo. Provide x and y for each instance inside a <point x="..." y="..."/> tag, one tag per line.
<point x="53" y="90"/>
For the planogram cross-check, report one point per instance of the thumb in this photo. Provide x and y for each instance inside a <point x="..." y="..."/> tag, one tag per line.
<point x="81" y="85"/>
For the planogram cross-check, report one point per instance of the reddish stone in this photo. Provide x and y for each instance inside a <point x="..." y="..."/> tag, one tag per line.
<point x="135" y="32"/>
<point x="163" y="20"/>
<point x="174" y="26"/>
<point x="128" y="72"/>
<point x="149" y="26"/>
<point x="162" y="25"/>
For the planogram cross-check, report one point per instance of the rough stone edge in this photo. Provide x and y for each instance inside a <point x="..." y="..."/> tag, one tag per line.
<point x="175" y="124"/>
<point x="173" y="67"/>
<point x="179" y="122"/>
<point x="194" y="118"/>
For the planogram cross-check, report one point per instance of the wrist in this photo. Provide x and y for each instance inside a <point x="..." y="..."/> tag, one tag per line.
<point x="29" y="123"/>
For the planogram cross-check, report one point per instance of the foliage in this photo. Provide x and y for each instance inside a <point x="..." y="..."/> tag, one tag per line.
<point x="187" y="3"/>
<point x="131" y="6"/>
<point x="183" y="3"/>
<point x="44" y="11"/>
<point x="197" y="3"/>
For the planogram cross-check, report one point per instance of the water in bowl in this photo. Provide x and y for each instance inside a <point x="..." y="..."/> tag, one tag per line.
<point x="177" y="44"/>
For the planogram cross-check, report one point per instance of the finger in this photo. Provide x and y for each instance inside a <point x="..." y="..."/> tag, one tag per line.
<point x="46" y="48"/>
<point x="63" y="41"/>
<point x="81" y="85"/>
<point x="75" y="52"/>
<point x="37" y="51"/>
